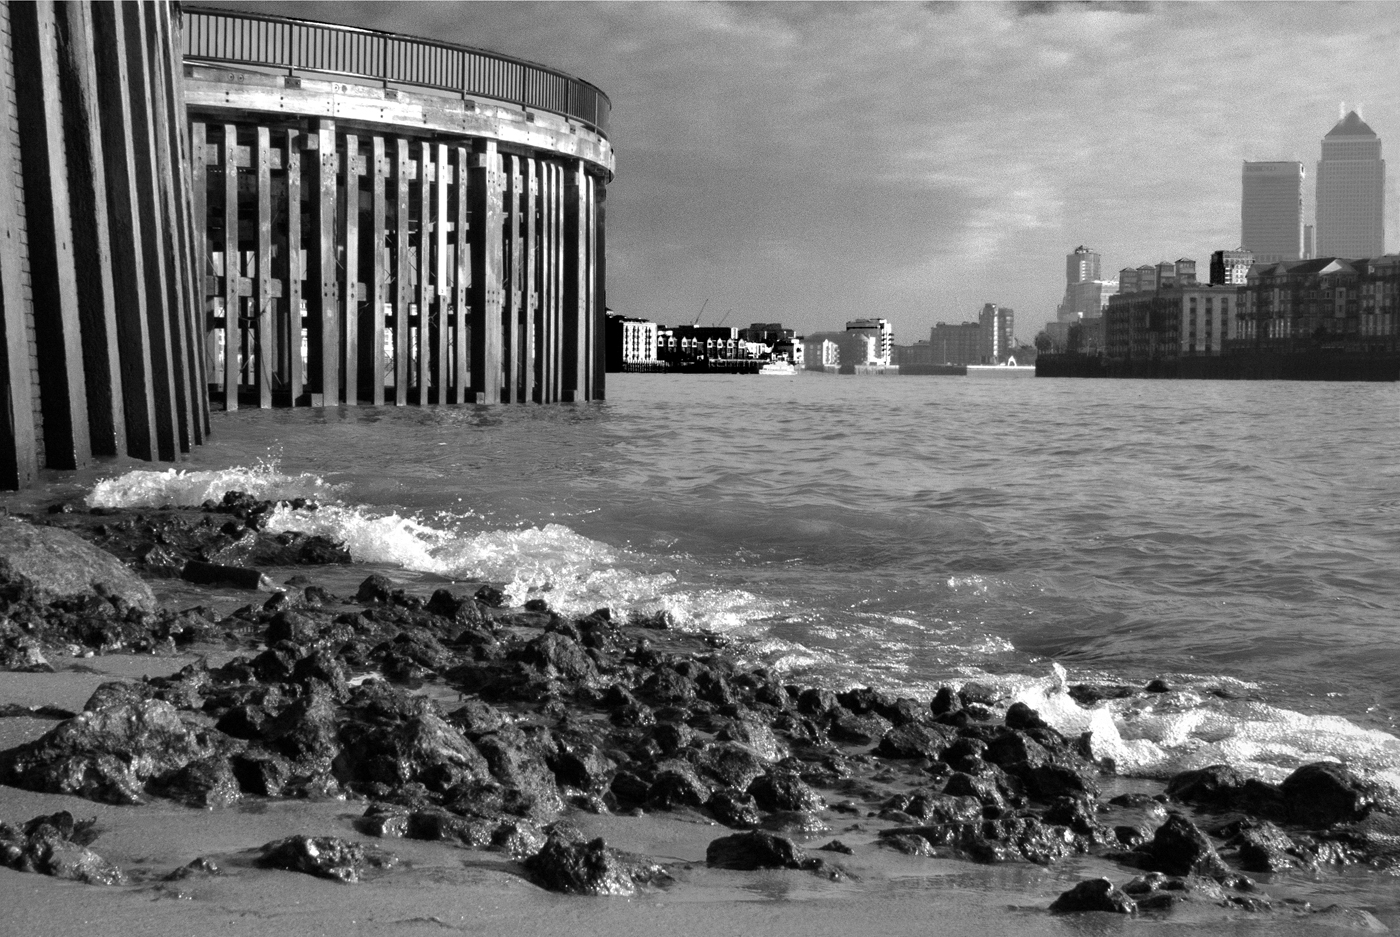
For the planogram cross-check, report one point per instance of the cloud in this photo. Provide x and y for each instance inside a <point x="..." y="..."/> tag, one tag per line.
<point x="812" y="162"/>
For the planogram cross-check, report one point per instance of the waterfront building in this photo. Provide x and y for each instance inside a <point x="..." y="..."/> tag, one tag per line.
<point x="1086" y="292"/>
<point x="1350" y="192"/>
<point x="998" y="325"/>
<point x="769" y="333"/>
<point x="1174" y="320"/>
<point x="1147" y="277"/>
<point x="631" y="343"/>
<point x="1327" y="302"/>
<point x="956" y="344"/>
<point x="1271" y="210"/>
<point x="821" y="351"/>
<point x="1127" y="281"/>
<point x="1230" y="267"/>
<point x="688" y="344"/>
<point x="881" y="331"/>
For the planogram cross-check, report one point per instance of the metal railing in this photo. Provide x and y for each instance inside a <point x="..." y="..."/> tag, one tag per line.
<point x="225" y="36"/>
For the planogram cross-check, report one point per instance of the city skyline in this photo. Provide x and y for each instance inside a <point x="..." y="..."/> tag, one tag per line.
<point x="813" y="163"/>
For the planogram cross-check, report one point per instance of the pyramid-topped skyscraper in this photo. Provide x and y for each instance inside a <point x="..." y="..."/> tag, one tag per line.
<point x="1351" y="191"/>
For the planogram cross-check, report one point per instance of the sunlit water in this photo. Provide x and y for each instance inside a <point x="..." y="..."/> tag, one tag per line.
<point x="1241" y="540"/>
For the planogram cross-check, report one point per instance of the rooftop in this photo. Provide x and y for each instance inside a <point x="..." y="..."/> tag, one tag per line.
<point x="1351" y="126"/>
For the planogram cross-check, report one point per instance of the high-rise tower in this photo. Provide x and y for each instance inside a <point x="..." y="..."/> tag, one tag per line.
<point x="1350" y="192"/>
<point x="1271" y="210"/>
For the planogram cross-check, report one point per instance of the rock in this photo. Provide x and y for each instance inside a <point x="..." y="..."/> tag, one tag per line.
<point x="1321" y="794"/>
<point x="591" y="868"/>
<point x="559" y="656"/>
<point x="785" y="790"/>
<point x="57" y="845"/>
<point x="1180" y="848"/>
<point x="583" y="766"/>
<point x="757" y="850"/>
<point x="1021" y="716"/>
<point x="215" y="574"/>
<point x="734" y="808"/>
<point x="913" y="740"/>
<point x="108" y="752"/>
<point x="202" y="866"/>
<point x="1158" y="685"/>
<point x="323" y="856"/>
<point x="945" y="701"/>
<point x="732" y="764"/>
<point x="837" y="846"/>
<point x="1263" y="847"/>
<point x="1098" y="894"/>
<point x="677" y="785"/>
<point x="862" y="729"/>
<point x="53" y="564"/>
<point x="1211" y="786"/>
<point x="208" y="782"/>
<point x="377" y="589"/>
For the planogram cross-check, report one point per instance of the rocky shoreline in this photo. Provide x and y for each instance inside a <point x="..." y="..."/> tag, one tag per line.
<point x="449" y="718"/>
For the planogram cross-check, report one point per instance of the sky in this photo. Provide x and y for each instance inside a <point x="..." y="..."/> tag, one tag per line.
<point x="811" y="163"/>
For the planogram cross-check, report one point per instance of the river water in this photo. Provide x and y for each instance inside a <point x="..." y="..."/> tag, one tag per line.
<point x="1239" y="540"/>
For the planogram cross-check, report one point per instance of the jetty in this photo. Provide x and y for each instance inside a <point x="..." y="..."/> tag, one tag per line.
<point x="273" y="212"/>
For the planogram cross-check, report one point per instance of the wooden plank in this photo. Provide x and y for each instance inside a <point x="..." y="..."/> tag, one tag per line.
<point x="403" y="292"/>
<point x="575" y="332"/>
<point x="143" y="120"/>
<point x="266" y="301"/>
<point x="422" y="243"/>
<point x="600" y="280"/>
<point x="53" y="273"/>
<point x="350" y="268"/>
<point x="233" y="302"/>
<point x="191" y="301"/>
<point x="440" y="287"/>
<point x="199" y="187"/>
<point x="324" y="311"/>
<point x="294" y="367"/>
<point x="461" y="282"/>
<point x="596" y="323"/>
<point x="19" y="456"/>
<point x="529" y="388"/>
<point x="167" y="170"/>
<point x="559" y="270"/>
<point x="127" y="239"/>
<point x="91" y="237"/>
<point x="379" y="274"/>
<point x="549" y="371"/>
<point x="485" y="187"/>
<point x="512" y="335"/>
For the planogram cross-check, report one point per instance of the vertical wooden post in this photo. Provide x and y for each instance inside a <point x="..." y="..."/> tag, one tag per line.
<point x="350" y="277"/>
<point x="549" y="317"/>
<point x="233" y="303"/>
<point x="529" y="387"/>
<point x="295" y="269"/>
<point x="167" y="170"/>
<point x="127" y="235"/>
<point x="190" y="397"/>
<point x="203" y="154"/>
<point x="600" y="279"/>
<point x="596" y="321"/>
<point x="379" y="276"/>
<point x="441" y="291"/>
<point x="575" y="381"/>
<point x="265" y="299"/>
<point x="53" y="274"/>
<point x="461" y="344"/>
<point x="403" y="294"/>
<point x="486" y="293"/>
<point x="143" y="119"/>
<point x="324" y="308"/>
<point x="511" y="335"/>
<point x="423" y="243"/>
<point x="19" y="457"/>
<point x="88" y="197"/>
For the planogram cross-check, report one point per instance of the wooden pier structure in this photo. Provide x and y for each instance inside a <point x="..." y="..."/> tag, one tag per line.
<point x="392" y="220"/>
<point x="260" y="211"/>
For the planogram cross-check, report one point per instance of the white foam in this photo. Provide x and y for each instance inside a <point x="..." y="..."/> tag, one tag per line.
<point x="144" y="489"/>
<point x="1163" y="734"/>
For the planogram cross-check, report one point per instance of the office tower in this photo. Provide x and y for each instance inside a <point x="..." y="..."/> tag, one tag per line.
<point x="1350" y="192"/>
<point x="1271" y="210"/>
<point x="996" y="324"/>
<point x="1081" y="265"/>
<point x="1086" y="293"/>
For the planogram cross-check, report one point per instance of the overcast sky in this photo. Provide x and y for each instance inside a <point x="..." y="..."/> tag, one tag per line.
<point x="810" y="163"/>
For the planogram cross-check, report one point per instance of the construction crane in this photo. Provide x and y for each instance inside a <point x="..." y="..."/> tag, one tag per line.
<point x="721" y="321"/>
<point x="701" y="312"/>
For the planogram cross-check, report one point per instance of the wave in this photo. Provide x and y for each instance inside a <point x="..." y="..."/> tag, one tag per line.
<point x="145" y="489"/>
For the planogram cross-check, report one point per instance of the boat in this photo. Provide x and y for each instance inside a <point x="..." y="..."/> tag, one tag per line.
<point x="778" y="368"/>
